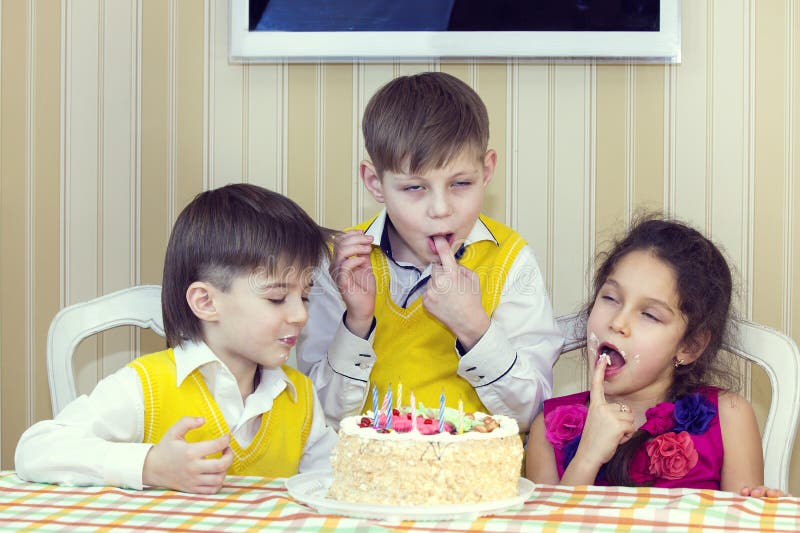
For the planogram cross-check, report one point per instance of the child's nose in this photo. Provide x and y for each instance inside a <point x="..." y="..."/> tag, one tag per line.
<point x="620" y="323"/>
<point x="439" y="206"/>
<point x="298" y="314"/>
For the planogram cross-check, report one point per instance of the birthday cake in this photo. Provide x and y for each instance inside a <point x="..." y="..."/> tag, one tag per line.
<point x="468" y="458"/>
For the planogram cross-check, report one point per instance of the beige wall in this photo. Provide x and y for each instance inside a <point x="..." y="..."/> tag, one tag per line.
<point x="114" y="113"/>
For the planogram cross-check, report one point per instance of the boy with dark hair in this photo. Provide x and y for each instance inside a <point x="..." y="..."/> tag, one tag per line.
<point x="220" y="400"/>
<point x="430" y="293"/>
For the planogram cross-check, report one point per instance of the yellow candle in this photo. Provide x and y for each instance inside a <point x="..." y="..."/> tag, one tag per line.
<point x="399" y="395"/>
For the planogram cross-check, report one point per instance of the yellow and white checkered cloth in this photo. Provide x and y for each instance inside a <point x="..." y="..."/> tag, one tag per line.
<point x="254" y="504"/>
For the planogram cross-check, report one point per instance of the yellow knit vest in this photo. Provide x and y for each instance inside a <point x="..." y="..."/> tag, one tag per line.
<point x="275" y="450"/>
<point x="413" y="347"/>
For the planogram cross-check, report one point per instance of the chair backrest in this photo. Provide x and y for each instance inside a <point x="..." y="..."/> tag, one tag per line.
<point x="136" y="306"/>
<point x="779" y="356"/>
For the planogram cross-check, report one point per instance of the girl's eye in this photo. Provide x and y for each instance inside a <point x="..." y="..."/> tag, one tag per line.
<point x="305" y="299"/>
<point x="277" y="301"/>
<point x="608" y="298"/>
<point x="651" y="316"/>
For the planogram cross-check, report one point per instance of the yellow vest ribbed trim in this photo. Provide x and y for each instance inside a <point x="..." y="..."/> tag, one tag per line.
<point x="413" y="347"/>
<point x="278" y="445"/>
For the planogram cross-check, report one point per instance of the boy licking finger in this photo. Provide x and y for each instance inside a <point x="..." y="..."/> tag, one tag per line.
<point x="429" y="292"/>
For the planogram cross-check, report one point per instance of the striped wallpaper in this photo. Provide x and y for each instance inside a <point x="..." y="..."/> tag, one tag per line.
<point x="114" y="113"/>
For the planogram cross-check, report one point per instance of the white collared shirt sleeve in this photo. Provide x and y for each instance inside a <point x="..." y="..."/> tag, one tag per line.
<point x="95" y="440"/>
<point x="511" y="366"/>
<point x="337" y="361"/>
<point x="320" y="442"/>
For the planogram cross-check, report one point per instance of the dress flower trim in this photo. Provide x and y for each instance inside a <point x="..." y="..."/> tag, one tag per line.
<point x="670" y="454"/>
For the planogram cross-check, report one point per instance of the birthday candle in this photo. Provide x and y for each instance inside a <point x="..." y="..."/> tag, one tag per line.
<point x="460" y="416"/>
<point x="399" y="395"/>
<point x="441" y="412"/>
<point x="385" y="401"/>
<point x="413" y="413"/>
<point x="375" y="406"/>
<point x="389" y="409"/>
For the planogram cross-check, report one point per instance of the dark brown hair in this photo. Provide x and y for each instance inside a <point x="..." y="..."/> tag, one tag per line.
<point x="420" y="122"/>
<point x="226" y="232"/>
<point x="704" y="284"/>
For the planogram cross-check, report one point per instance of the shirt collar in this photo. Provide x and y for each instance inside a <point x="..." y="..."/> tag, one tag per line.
<point x="190" y="356"/>
<point x="378" y="230"/>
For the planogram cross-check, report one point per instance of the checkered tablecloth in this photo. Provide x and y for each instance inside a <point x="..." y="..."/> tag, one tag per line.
<point x="254" y="504"/>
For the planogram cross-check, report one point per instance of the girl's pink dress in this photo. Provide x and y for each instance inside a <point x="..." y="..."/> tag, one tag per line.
<point x="685" y="448"/>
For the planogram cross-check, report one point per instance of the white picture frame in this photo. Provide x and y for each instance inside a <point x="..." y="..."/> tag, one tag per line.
<point x="246" y="46"/>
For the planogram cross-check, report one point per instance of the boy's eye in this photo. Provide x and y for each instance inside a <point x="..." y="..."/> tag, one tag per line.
<point x="412" y="188"/>
<point x="462" y="183"/>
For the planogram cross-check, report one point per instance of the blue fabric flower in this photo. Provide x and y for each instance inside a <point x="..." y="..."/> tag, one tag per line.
<point x="693" y="413"/>
<point x="569" y="449"/>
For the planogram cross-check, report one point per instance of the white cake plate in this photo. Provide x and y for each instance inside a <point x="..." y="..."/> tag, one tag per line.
<point x="311" y="488"/>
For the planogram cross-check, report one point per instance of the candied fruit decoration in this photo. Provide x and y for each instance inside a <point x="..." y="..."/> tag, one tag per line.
<point x="365" y="422"/>
<point x="395" y="412"/>
<point x="428" y="421"/>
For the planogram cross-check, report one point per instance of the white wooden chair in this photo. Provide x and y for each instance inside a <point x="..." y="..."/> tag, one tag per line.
<point x="779" y="356"/>
<point x="136" y="306"/>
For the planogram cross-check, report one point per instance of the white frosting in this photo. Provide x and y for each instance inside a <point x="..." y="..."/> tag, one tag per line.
<point x="413" y="469"/>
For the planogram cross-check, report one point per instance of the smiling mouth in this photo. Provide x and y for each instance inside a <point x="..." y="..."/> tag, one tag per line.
<point x="291" y="341"/>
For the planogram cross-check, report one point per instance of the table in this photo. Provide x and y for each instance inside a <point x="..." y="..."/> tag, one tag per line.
<point x="254" y="504"/>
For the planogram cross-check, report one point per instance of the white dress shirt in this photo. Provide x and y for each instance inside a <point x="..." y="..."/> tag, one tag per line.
<point x="97" y="439"/>
<point x="511" y="366"/>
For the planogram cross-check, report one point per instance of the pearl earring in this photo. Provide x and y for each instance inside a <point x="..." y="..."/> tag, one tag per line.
<point x="678" y="362"/>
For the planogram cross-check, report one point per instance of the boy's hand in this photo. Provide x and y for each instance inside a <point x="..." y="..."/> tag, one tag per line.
<point x="176" y="464"/>
<point x="351" y="270"/>
<point x="453" y="296"/>
<point x="607" y="424"/>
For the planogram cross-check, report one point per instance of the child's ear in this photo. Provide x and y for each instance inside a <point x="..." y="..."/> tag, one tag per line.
<point x="489" y="164"/>
<point x="200" y="297"/>
<point x="693" y="348"/>
<point x="371" y="180"/>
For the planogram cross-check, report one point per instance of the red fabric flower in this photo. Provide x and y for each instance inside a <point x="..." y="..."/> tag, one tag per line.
<point x="659" y="418"/>
<point x="671" y="455"/>
<point x="564" y="423"/>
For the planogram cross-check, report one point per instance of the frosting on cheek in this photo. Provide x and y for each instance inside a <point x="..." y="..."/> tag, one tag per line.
<point x="592" y="344"/>
<point x="636" y="358"/>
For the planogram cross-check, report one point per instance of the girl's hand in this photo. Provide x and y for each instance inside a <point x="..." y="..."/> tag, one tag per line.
<point x="453" y="296"/>
<point x="607" y="424"/>
<point x="762" y="492"/>
<point x="351" y="270"/>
